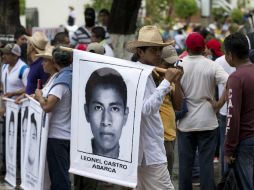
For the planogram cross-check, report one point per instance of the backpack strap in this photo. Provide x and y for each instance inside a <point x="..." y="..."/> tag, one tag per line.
<point x="84" y="31"/>
<point x="4" y="66"/>
<point x="22" y="70"/>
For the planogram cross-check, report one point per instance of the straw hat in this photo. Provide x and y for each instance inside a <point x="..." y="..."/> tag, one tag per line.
<point x="38" y="41"/>
<point x="47" y="54"/>
<point x="148" y="36"/>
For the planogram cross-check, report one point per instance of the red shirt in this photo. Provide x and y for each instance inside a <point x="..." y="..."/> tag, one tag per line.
<point x="240" y="118"/>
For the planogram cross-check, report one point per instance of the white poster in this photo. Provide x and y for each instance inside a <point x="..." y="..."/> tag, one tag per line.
<point x="107" y="100"/>
<point x="12" y="110"/>
<point x="35" y="151"/>
<point x="24" y="123"/>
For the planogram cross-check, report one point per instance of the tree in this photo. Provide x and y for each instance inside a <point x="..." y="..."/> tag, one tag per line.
<point x="156" y="11"/>
<point x="123" y="16"/>
<point x="185" y="9"/>
<point x="99" y="4"/>
<point x="9" y="17"/>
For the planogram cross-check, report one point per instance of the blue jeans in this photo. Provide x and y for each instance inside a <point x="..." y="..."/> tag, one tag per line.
<point x="222" y="126"/>
<point x="188" y="143"/>
<point x="196" y="168"/>
<point x="244" y="163"/>
<point x="58" y="157"/>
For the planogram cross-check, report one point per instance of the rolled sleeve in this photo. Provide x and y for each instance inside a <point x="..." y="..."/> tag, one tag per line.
<point x="153" y="102"/>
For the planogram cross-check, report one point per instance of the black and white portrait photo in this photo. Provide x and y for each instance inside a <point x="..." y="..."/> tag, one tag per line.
<point x="11" y="138"/>
<point x="24" y="122"/>
<point x="32" y="176"/>
<point x="33" y="146"/>
<point x="107" y="97"/>
<point x="106" y="110"/>
<point x="11" y="127"/>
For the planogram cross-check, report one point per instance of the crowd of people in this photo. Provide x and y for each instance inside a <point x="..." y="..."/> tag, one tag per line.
<point x="203" y="98"/>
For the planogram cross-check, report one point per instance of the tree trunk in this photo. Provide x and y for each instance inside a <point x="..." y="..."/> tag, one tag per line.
<point x="9" y="16"/>
<point x="123" y="16"/>
<point x="122" y="25"/>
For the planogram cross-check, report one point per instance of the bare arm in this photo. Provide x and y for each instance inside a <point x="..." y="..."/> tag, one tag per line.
<point x="15" y="93"/>
<point x="47" y="104"/>
<point x="177" y="97"/>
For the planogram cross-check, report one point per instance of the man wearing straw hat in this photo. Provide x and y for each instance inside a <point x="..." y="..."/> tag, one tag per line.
<point x="36" y="45"/>
<point x="152" y="169"/>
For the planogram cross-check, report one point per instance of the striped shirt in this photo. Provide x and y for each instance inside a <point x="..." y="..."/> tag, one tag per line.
<point x="81" y="36"/>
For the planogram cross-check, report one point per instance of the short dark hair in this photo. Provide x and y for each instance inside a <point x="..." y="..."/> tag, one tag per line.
<point x="19" y="32"/>
<point x="61" y="57"/>
<point x="106" y="77"/>
<point x="99" y="32"/>
<point x="143" y="48"/>
<point x="59" y="38"/>
<point x="237" y="44"/>
<point x="12" y="117"/>
<point x="89" y="11"/>
<point x="33" y="120"/>
<point x="104" y="11"/>
<point x="25" y="116"/>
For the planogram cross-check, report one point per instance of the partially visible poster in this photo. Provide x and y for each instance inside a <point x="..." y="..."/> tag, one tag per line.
<point x="24" y="123"/>
<point x="106" y="112"/>
<point x="12" y="111"/>
<point x="35" y="151"/>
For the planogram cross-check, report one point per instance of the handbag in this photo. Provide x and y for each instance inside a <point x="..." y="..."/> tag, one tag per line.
<point x="229" y="180"/>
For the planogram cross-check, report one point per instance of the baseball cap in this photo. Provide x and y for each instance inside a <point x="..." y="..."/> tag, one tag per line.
<point x="81" y="47"/>
<point x="11" y="48"/>
<point x="195" y="42"/>
<point x="169" y="54"/>
<point x="215" y="46"/>
<point x="96" y="48"/>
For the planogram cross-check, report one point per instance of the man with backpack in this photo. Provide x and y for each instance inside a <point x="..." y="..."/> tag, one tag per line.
<point x="14" y="71"/>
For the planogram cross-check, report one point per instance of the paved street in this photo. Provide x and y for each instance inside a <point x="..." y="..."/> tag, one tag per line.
<point x="105" y="186"/>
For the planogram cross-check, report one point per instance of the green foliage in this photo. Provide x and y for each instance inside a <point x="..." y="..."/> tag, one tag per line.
<point x="219" y="15"/>
<point x="185" y="8"/>
<point x="100" y="4"/>
<point x="22" y="7"/>
<point x="156" y="11"/>
<point x="237" y="16"/>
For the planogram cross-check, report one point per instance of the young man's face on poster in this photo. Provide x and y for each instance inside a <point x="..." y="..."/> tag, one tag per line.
<point x="107" y="115"/>
<point x="33" y="144"/>
<point x="11" y="138"/>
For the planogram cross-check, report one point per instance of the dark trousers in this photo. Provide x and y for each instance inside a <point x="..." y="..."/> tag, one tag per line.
<point x="169" y="147"/>
<point x="58" y="157"/>
<point x="244" y="164"/>
<point x="196" y="168"/>
<point x="84" y="183"/>
<point x="188" y="143"/>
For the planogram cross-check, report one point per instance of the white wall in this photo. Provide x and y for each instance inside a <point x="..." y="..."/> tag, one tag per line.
<point x="53" y="13"/>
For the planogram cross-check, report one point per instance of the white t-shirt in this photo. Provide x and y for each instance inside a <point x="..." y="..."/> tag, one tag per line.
<point x="48" y="85"/>
<point x="224" y="64"/>
<point x="198" y="83"/>
<point x="180" y="40"/>
<point x="60" y="122"/>
<point x="108" y="50"/>
<point x="10" y="79"/>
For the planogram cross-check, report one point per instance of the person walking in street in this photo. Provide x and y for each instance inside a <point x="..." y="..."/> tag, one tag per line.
<point x="152" y="163"/>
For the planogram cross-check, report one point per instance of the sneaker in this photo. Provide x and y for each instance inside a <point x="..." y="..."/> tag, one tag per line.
<point x="216" y="160"/>
<point x="195" y="181"/>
